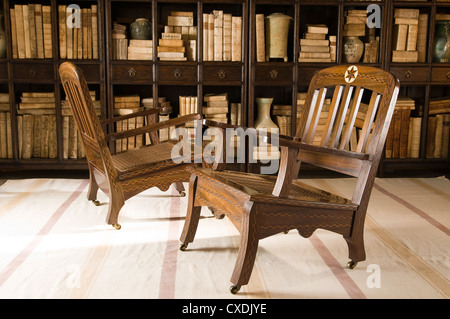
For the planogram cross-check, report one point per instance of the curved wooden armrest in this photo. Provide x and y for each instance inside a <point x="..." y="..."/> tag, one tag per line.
<point x="154" y="127"/>
<point x="135" y="114"/>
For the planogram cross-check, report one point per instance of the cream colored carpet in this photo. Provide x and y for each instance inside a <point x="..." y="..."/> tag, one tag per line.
<point x="55" y="244"/>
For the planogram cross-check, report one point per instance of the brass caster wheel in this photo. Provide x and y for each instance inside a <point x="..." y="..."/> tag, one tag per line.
<point x="286" y="232"/>
<point x="117" y="226"/>
<point x="182" y="194"/>
<point x="96" y="202"/>
<point x="183" y="247"/>
<point x="235" y="289"/>
<point x="352" y="264"/>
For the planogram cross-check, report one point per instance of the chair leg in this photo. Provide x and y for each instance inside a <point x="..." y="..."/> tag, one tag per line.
<point x="192" y="216"/>
<point x="247" y="249"/>
<point x="116" y="202"/>
<point x="356" y="250"/>
<point x="93" y="189"/>
<point x="180" y="188"/>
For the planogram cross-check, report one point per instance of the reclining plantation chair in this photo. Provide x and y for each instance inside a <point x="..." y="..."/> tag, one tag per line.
<point x="126" y="174"/>
<point x="261" y="205"/>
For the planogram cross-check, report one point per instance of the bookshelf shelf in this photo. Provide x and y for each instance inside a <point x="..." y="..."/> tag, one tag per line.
<point x="124" y="68"/>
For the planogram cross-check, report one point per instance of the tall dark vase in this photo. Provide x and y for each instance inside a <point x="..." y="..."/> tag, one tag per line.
<point x="441" y="45"/>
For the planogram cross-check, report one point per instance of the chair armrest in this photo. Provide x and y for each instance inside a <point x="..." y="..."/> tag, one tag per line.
<point x="154" y="127"/>
<point x="133" y="115"/>
<point x="331" y="151"/>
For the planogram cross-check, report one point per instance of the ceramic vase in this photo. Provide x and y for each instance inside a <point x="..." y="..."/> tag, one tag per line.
<point x="353" y="49"/>
<point x="2" y="38"/>
<point x="141" y="29"/>
<point x="277" y="31"/>
<point x="441" y="45"/>
<point x="263" y="120"/>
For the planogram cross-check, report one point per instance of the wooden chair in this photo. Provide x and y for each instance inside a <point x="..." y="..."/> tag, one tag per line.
<point x="126" y="174"/>
<point x="261" y="205"/>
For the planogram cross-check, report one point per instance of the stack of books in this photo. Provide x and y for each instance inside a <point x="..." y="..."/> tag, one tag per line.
<point x="31" y="31"/>
<point x="216" y="107"/>
<point x="405" y="35"/>
<point x="72" y="144"/>
<point x="440" y="105"/>
<point x="36" y="125"/>
<point x="140" y="50"/>
<point x="315" y="47"/>
<point x="119" y="42"/>
<point x="355" y="25"/>
<point x="399" y="135"/>
<point x="80" y="39"/>
<point x="222" y="36"/>
<point x="179" y="40"/>
<point x="5" y="127"/>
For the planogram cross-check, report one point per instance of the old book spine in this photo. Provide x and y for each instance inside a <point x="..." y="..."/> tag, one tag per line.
<point x="89" y="33"/>
<point x="47" y="30"/>
<point x="218" y="35"/>
<point x="94" y="20"/>
<point x="39" y="31"/>
<point x="9" y="136"/>
<point x="26" y="28"/>
<point x="38" y="128"/>
<point x="411" y="41"/>
<point x="445" y="136"/>
<point x="399" y="37"/>
<point x="18" y="10"/>
<point x="404" y="131"/>
<point x="27" y="139"/>
<point x="236" y="39"/>
<point x="422" y="37"/>
<point x="80" y="38"/>
<point x="62" y="31"/>
<point x="65" y="133"/>
<point x="3" y="142"/>
<point x="431" y="137"/>
<point x="32" y="24"/>
<point x="14" y="48"/>
<point x="180" y="21"/>
<point x="227" y="30"/>
<point x="260" y="42"/>
<point x="205" y="37"/>
<point x="84" y="23"/>
<point x="69" y="35"/>
<point x="438" y="136"/>
<point x="211" y="37"/>
<point x="45" y="126"/>
<point x="52" y="140"/>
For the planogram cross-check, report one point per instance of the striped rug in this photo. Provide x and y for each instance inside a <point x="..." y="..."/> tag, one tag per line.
<point x="55" y="244"/>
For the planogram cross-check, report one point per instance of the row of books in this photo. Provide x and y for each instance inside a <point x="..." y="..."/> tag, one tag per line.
<point x="315" y="47"/>
<point x="409" y="42"/>
<point x="403" y="138"/>
<point x="31" y="31"/>
<point x="78" y="32"/>
<point x="5" y="135"/>
<point x="222" y="36"/>
<point x="438" y="136"/>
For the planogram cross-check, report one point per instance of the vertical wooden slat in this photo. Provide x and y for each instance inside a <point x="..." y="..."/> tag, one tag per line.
<point x="351" y="118"/>
<point x="305" y="123"/>
<point x="368" y="122"/>
<point x="337" y="129"/>
<point x="316" y="116"/>
<point x="331" y="115"/>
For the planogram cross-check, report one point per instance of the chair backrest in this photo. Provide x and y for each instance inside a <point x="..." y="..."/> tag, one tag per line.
<point x="348" y="108"/>
<point x="86" y="119"/>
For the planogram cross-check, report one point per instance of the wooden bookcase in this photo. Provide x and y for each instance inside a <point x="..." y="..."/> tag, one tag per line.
<point x="28" y="74"/>
<point x="243" y="80"/>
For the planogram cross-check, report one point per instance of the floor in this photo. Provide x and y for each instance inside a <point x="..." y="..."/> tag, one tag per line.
<point x="55" y="244"/>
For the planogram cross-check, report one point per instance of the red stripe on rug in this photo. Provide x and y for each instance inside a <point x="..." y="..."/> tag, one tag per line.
<point x="416" y="210"/>
<point x="169" y="265"/>
<point x="346" y="281"/>
<point x="26" y="252"/>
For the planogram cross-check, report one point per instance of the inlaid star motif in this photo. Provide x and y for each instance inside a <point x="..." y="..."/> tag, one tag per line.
<point x="351" y="74"/>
